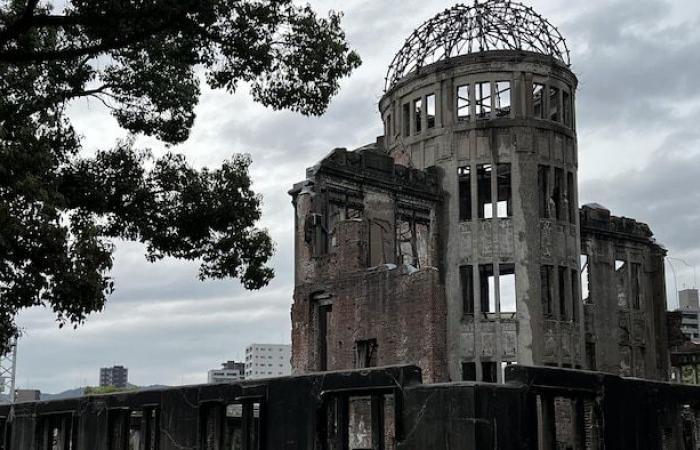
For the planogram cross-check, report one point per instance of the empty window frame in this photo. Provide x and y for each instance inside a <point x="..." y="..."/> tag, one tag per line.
<point x="387" y="127"/>
<point x="506" y="288"/>
<point x="466" y="277"/>
<point x="430" y="111"/>
<point x="118" y="429"/>
<point x="567" y="108"/>
<point x="504" y="205"/>
<point x="635" y="285"/>
<point x="483" y="190"/>
<point x="365" y="353"/>
<point x="622" y="283"/>
<point x="323" y="309"/>
<point x="590" y="356"/>
<point x="465" y="193"/>
<point x="563" y="313"/>
<point x="483" y="100"/>
<point x="463" y="103"/>
<point x="585" y="288"/>
<point x="468" y="371"/>
<point x="503" y="98"/>
<point x="412" y="236"/>
<point x="571" y="197"/>
<point x="538" y="100"/>
<point x="487" y="288"/>
<point x="575" y="294"/>
<point x="233" y="427"/>
<point x="406" y="119"/>
<point x="546" y="289"/>
<point x="489" y="372"/>
<point x="554" y="104"/>
<point x="417" y="115"/>
<point x="558" y="194"/>
<point x="543" y="188"/>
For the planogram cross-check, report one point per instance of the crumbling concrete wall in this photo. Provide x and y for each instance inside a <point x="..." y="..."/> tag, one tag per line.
<point x="368" y="291"/>
<point x="626" y="324"/>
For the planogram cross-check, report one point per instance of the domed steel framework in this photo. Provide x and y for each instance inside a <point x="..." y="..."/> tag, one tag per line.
<point x="461" y="30"/>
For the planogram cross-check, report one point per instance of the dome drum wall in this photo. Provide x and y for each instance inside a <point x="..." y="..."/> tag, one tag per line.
<point x="505" y="148"/>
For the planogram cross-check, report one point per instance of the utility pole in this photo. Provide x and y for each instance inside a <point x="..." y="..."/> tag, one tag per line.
<point x="8" y="371"/>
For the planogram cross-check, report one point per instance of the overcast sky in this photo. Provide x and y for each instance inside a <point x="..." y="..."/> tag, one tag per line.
<point x="639" y="150"/>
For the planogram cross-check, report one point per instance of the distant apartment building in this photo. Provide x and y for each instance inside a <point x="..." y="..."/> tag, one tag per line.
<point x="267" y="360"/>
<point x="230" y="371"/>
<point x="690" y="314"/>
<point x="117" y="376"/>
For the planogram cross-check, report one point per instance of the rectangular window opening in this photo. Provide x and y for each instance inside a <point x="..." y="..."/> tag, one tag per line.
<point x="571" y="197"/>
<point x="365" y="353"/>
<point x="543" y="188"/>
<point x="506" y="285"/>
<point x="585" y="289"/>
<point x="489" y="372"/>
<point x="537" y="100"/>
<point x="487" y="289"/>
<point x="568" y="110"/>
<point x="563" y="313"/>
<point x="233" y="430"/>
<point x="485" y="203"/>
<point x="406" y="120"/>
<point x="463" y="103"/>
<point x="622" y="283"/>
<point x="430" y="111"/>
<point x="387" y="132"/>
<point x="554" y="104"/>
<point x="465" y="193"/>
<point x="558" y="194"/>
<point x="504" y="207"/>
<point x="417" y="115"/>
<point x="483" y="100"/>
<point x="503" y="101"/>
<point x="324" y="312"/>
<point x="468" y="371"/>
<point x="466" y="276"/>
<point x="546" y="290"/>
<point x="635" y="285"/>
<point x="575" y="295"/>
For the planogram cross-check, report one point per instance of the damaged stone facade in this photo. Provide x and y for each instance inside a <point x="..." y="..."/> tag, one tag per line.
<point x="368" y="291"/>
<point x="624" y="296"/>
<point x="498" y="243"/>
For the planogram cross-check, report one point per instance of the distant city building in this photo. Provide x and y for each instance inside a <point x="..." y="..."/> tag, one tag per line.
<point x="690" y="314"/>
<point x="117" y="376"/>
<point x="230" y="371"/>
<point x="267" y="360"/>
<point x="685" y="364"/>
<point x="27" y="395"/>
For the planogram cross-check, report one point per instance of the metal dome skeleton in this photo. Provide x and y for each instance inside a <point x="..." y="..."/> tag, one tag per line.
<point x="462" y="30"/>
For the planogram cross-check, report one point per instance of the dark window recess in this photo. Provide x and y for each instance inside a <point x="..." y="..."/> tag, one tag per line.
<point x="465" y="193"/>
<point x="503" y="98"/>
<point x="418" y="115"/>
<point x="571" y="197"/>
<point x="388" y="133"/>
<point x="118" y="428"/>
<point x="466" y="276"/>
<point x="430" y="111"/>
<point x="324" y="312"/>
<point x="590" y="356"/>
<point x="504" y="206"/>
<point x="635" y="285"/>
<point x="567" y="109"/>
<point x="483" y="191"/>
<point x="543" y="188"/>
<point x="558" y="194"/>
<point x="546" y="289"/>
<point x="483" y="100"/>
<point x="506" y="288"/>
<point x="489" y="372"/>
<point x="412" y="235"/>
<point x="463" y="103"/>
<point x="233" y="431"/>
<point x="537" y="100"/>
<point x="486" y="288"/>
<point x="406" y="119"/>
<point x="563" y="313"/>
<point x="575" y="294"/>
<point x="554" y="104"/>
<point x="366" y="353"/>
<point x="468" y="371"/>
<point x="622" y="283"/>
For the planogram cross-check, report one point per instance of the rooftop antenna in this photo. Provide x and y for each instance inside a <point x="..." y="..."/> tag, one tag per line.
<point x="8" y="371"/>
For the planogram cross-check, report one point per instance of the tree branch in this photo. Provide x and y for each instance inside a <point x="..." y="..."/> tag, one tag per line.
<point x="22" y="24"/>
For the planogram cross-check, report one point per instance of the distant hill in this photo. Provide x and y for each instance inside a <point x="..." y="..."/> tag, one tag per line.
<point x="78" y="392"/>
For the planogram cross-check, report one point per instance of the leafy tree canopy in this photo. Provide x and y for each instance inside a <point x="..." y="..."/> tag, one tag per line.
<point x="143" y="59"/>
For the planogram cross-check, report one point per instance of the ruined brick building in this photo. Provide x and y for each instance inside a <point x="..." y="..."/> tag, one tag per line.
<point x="455" y="242"/>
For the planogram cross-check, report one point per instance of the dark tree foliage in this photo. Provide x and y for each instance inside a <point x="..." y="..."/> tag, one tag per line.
<point x="60" y="210"/>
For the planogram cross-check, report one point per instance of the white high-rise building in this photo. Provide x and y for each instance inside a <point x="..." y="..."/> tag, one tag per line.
<point x="267" y="361"/>
<point x="690" y="311"/>
<point x="230" y="371"/>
